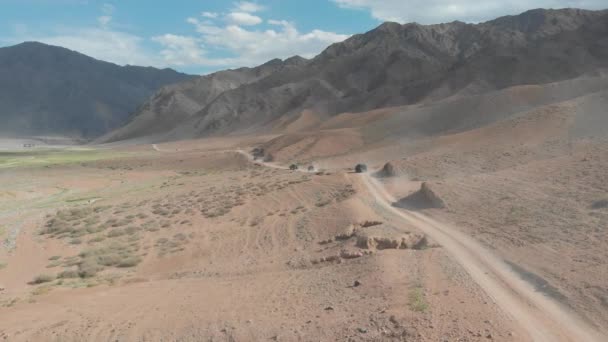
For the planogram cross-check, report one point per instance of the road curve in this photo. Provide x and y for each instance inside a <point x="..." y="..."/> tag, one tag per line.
<point x="542" y="318"/>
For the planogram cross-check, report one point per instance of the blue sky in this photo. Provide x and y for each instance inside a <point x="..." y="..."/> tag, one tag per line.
<point x="207" y="35"/>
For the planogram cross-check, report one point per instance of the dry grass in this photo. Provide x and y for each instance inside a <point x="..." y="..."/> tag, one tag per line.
<point x="113" y="254"/>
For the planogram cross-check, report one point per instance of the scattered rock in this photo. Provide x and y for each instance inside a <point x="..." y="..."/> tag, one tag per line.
<point x="407" y="241"/>
<point x="357" y="283"/>
<point x="350" y="254"/>
<point x="368" y="224"/>
<point x="348" y="232"/>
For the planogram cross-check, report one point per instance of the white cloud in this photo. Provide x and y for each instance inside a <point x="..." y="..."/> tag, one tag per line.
<point x="253" y="47"/>
<point x="437" y="11"/>
<point x="107" y="8"/>
<point x="211" y="15"/>
<point x="107" y="45"/>
<point x="217" y="40"/>
<point x="186" y="51"/>
<point x="243" y="18"/>
<point x="98" y="41"/>
<point x="106" y="18"/>
<point x="247" y="6"/>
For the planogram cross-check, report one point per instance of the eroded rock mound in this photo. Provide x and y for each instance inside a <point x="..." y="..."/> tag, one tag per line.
<point x="384" y="239"/>
<point x="387" y="171"/>
<point x="361" y="239"/>
<point x="425" y="198"/>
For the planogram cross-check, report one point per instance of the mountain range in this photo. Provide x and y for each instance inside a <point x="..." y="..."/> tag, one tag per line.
<point x="391" y="65"/>
<point x="50" y="90"/>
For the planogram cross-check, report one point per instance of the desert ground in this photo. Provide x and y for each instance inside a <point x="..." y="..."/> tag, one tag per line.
<point x="493" y="232"/>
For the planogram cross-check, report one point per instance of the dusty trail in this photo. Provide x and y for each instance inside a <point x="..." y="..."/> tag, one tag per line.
<point x="542" y="318"/>
<point x="250" y="158"/>
<point x="239" y="151"/>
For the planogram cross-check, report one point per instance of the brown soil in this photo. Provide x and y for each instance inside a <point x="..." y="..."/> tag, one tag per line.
<point x="493" y="232"/>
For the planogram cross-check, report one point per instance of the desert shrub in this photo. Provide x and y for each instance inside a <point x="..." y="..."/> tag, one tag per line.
<point x="100" y="209"/>
<point x="75" y="241"/>
<point x="133" y="238"/>
<point x="44" y="289"/>
<point x="417" y="301"/>
<point x="109" y="259"/>
<point x="114" y="254"/>
<point x="323" y="203"/>
<point x="129" y="262"/>
<point x="116" y="233"/>
<point x="56" y="226"/>
<point x="131" y="230"/>
<point x="77" y="232"/>
<point x="121" y="223"/>
<point x="55" y="257"/>
<point x="68" y="274"/>
<point x="42" y="278"/>
<point x="88" y="268"/>
<point x="92" y="220"/>
<point x="180" y="236"/>
<point x="95" y="229"/>
<point x="96" y="239"/>
<point x="54" y="264"/>
<point x="71" y="261"/>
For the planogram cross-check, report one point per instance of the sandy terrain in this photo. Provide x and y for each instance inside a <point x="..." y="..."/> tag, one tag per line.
<point x="234" y="251"/>
<point x="493" y="232"/>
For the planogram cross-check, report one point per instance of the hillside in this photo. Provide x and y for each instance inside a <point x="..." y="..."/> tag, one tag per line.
<point x="55" y="91"/>
<point x="389" y="66"/>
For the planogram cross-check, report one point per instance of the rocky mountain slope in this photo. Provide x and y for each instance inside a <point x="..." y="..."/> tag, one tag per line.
<point x="52" y="90"/>
<point x="175" y="104"/>
<point x="391" y="65"/>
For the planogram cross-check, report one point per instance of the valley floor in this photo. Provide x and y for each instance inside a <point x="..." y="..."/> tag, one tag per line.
<point x="194" y="241"/>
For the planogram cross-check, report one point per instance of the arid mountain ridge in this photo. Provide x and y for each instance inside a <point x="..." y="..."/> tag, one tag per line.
<point x="391" y="65"/>
<point x="50" y="90"/>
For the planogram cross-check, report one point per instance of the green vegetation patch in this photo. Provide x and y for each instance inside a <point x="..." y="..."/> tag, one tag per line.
<point x="44" y="157"/>
<point x="417" y="302"/>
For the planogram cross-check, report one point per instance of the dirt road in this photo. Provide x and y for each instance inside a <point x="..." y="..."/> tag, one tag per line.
<point x="541" y="317"/>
